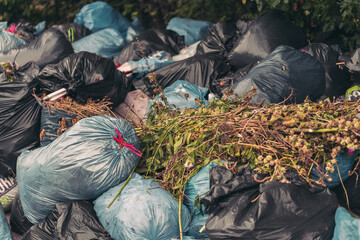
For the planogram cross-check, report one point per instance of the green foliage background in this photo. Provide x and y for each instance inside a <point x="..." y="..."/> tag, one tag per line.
<point x="313" y="16"/>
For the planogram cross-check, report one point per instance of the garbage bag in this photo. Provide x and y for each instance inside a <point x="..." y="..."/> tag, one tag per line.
<point x="221" y="85"/>
<point x="219" y="39"/>
<point x="24" y="29"/>
<point x="50" y="47"/>
<point x="8" y="191"/>
<point x="337" y="80"/>
<point x="5" y="233"/>
<point x="191" y="29"/>
<point x="345" y="163"/>
<point x="351" y="61"/>
<point x="282" y="70"/>
<point x="151" y="40"/>
<point x="352" y="194"/>
<point x="9" y="41"/>
<point x="3" y="24"/>
<point x="69" y="220"/>
<point x="142" y="211"/>
<point x="198" y="186"/>
<point x="72" y="31"/>
<point x="186" y="52"/>
<point x="19" y="116"/>
<point x="265" y="34"/>
<point x="51" y="121"/>
<point x="146" y="65"/>
<point x="40" y="28"/>
<point x="346" y="226"/>
<point x="81" y="164"/>
<point x="106" y="42"/>
<point x="18" y="222"/>
<point x="199" y="70"/>
<point x="86" y="75"/>
<point x="100" y="15"/>
<point x="183" y="95"/>
<point x="241" y="208"/>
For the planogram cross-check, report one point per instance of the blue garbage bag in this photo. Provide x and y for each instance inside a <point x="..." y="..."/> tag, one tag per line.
<point x="81" y="164"/>
<point x="193" y="30"/>
<point x="5" y="233"/>
<point x="100" y="15"/>
<point x="9" y="41"/>
<point x="182" y="94"/>
<point x="142" y="211"/>
<point x="40" y="28"/>
<point x="345" y="164"/>
<point x="106" y="42"/>
<point x="198" y="185"/>
<point x="3" y="24"/>
<point x="346" y="226"/>
<point x="145" y="66"/>
<point x="50" y="124"/>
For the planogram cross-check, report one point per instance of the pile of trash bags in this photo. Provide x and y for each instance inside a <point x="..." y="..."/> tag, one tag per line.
<point x="80" y="183"/>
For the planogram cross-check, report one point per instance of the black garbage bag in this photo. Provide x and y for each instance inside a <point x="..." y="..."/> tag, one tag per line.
<point x="69" y="220"/>
<point x="219" y="39"/>
<point x="50" y="47"/>
<point x="352" y="186"/>
<point x="220" y="85"/>
<point x="352" y="62"/>
<point x="284" y="69"/>
<point x="200" y="70"/>
<point x="86" y="75"/>
<point x="25" y="29"/>
<point x="72" y="31"/>
<point x="19" y="116"/>
<point x="282" y="210"/>
<point x="151" y="40"/>
<point x="265" y="34"/>
<point x="337" y="80"/>
<point x="18" y="222"/>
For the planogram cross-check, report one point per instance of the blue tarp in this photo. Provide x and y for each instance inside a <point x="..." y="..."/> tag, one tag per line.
<point x="346" y="226"/>
<point x="81" y="164"/>
<point x="142" y="211"/>
<point x="106" y="42"/>
<point x="193" y="30"/>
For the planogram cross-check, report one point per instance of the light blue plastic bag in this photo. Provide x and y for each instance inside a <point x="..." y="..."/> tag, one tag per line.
<point x="107" y="42"/>
<point x="100" y="15"/>
<point x="81" y="164"/>
<point x="346" y="226"/>
<point x="9" y="41"/>
<point x="40" y="27"/>
<point x="5" y="233"/>
<point x="142" y="211"/>
<point x="143" y="67"/>
<point x="198" y="185"/>
<point x="3" y="24"/>
<point x="182" y="94"/>
<point x="193" y="30"/>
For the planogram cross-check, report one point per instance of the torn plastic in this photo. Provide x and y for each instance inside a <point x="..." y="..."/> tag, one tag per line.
<point x="282" y="70"/>
<point x="50" y="47"/>
<point x="19" y="116"/>
<point x="191" y="29"/>
<point x="86" y="75"/>
<point x="219" y="39"/>
<point x="72" y="31"/>
<point x="143" y="210"/>
<point x="9" y="41"/>
<point x="5" y="233"/>
<point x="186" y="52"/>
<point x="264" y="34"/>
<point x="199" y="70"/>
<point x="148" y="42"/>
<point x="69" y="220"/>
<point x="337" y="80"/>
<point x="82" y="163"/>
<point x="346" y="226"/>
<point x="241" y="208"/>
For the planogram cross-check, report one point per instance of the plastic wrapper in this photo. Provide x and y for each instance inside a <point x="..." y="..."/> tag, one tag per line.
<point x="81" y="164"/>
<point x="141" y="211"/>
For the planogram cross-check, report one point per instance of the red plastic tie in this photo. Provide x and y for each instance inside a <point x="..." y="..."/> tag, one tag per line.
<point x="12" y="28"/>
<point x="131" y="147"/>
